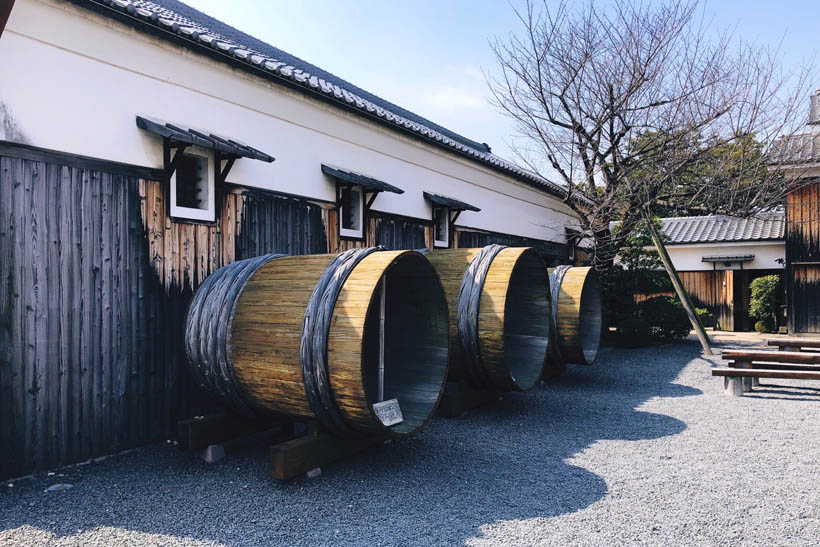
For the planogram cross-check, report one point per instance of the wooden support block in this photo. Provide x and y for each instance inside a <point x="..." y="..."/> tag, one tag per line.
<point x="201" y="432"/>
<point x="736" y="386"/>
<point x="298" y="456"/>
<point x="733" y="386"/>
<point x="459" y="397"/>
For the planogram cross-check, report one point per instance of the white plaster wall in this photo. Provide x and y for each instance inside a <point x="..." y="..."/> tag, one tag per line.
<point x="688" y="258"/>
<point x="73" y="81"/>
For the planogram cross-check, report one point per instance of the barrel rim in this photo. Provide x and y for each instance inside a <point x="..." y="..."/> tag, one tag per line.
<point x="563" y="351"/>
<point x="401" y="255"/>
<point x="533" y="252"/>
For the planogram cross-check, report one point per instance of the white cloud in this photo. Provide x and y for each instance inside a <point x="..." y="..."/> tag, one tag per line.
<point x="449" y="97"/>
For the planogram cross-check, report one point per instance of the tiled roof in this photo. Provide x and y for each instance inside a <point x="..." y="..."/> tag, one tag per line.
<point x="199" y="29"/>
<point x="721" y="228"/>
<point x="794" y="149"/>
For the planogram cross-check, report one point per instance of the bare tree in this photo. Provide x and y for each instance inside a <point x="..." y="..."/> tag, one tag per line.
<point x="638" y="107"/>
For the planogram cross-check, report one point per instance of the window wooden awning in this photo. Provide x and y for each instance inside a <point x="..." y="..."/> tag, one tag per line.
<point x="176" y="137"/>
<point x="368" y="183"/>
<point x="450" y="203"/>
<point x="189" y="136"/>
<point x="728" y="258"/>
<point x="346" y="179"/>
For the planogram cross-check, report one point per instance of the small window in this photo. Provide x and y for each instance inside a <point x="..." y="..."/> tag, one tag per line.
<point x="192" y="187"/>
<point x="351" y="212"/>
<point x="441" y="226"/>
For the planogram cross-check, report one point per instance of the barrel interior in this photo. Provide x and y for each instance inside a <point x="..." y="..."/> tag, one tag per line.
<point x="590" y="317"/>
<point x="415" y="337"/>
<point x="526" y="320"/>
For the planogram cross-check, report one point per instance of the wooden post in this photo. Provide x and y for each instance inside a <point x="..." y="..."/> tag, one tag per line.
<point x="733" y="386"/>
<point x="5" y="12"/>
<point x="679" y="289"/>
<point x="381" y="337"/>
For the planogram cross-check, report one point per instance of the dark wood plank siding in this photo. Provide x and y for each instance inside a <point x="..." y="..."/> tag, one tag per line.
<point x="714" y="291"/>
<point x="725" y="293"/>
<point x="396" y="232"/>
<point x="803" y="259"/>
<point x="95" y="284"/>
<point x="391" y="231"/>
<point x="280" y="225"/>
<point x="553" y="253"/>
<point x="805" y="288"/>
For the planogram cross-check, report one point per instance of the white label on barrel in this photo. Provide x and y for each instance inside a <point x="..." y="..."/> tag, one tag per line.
<point x="389" y="412"/>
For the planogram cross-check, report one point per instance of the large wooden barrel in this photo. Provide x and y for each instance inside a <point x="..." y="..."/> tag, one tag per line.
<point x="499" y="303"/>
<point x="576" y="315"/>
<point x="324" y="337"/>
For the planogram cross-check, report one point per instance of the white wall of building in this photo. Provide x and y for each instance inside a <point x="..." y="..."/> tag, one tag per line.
<point x="688" y="258"/>
<point x="73" y="81"/>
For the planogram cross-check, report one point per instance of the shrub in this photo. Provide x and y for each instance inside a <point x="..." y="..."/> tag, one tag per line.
<point x="707" y="318"/>
<point x="666" y="317"/>
<point x="760" y="326"/>
<point x="763" y="304"/>
<point x="633" y="332"/>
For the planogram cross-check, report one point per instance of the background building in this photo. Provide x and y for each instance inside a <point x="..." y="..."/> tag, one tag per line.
<point x="717" y="257"/>
<point x="803" y="227"/>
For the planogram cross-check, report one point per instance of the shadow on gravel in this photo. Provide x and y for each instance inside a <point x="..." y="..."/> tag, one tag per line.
<point x="504" y="461"/>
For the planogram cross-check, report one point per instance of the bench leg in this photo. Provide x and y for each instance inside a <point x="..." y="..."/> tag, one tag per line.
<point x="733" y="386"/>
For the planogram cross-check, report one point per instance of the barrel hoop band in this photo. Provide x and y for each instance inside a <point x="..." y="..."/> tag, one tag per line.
<point x="315" y="332"/>
<point x="207" y="328"/>
<point x="469" y="302"/>
<point x="556" y="280"/>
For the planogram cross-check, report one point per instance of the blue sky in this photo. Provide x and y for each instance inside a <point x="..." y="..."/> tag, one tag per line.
<point x="430" y="56"/>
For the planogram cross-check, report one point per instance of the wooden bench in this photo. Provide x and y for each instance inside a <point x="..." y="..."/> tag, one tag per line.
<point x="746" y="365"/>
<point x="791" y="344"/>
<point x="795" y="344"/>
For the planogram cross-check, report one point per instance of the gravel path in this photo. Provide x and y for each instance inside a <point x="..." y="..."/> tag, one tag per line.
<point x="643" y="448"/>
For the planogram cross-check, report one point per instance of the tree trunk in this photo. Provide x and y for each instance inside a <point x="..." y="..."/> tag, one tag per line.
<point x="676" y="282"/>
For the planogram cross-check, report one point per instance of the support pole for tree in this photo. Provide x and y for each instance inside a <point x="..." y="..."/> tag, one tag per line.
<point x="5" y="12"/>
<point x="676" y="282"/>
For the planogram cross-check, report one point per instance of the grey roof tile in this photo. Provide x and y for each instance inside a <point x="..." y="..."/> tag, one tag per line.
<point x="767" y="226"/>
<point x="797" y="149"/>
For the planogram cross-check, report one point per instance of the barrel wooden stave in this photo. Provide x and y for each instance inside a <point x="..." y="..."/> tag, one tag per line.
<point x="450" y="264"/>
<point x="494" y="340"/>
<point x="578" y="316"/>
<point x="265" y="334"/>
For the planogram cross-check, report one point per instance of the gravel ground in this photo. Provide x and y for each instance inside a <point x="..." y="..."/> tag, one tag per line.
<point x="642" y="448"/>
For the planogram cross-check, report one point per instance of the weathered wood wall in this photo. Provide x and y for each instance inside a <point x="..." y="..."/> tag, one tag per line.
<point x="552" y="253"/>
<point x="394" y="232"/>
<point x="715" y="291"/>
<point x="96" y="280"/>
<point x="803" y="259"/>
<point x="725" y="293"/>
<point x="95" y="284"/>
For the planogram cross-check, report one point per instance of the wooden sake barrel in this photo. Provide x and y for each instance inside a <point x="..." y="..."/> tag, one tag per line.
<point x="499" y="303"/>
<point x="324" y="337"/>
<point x="576" y="315"/>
